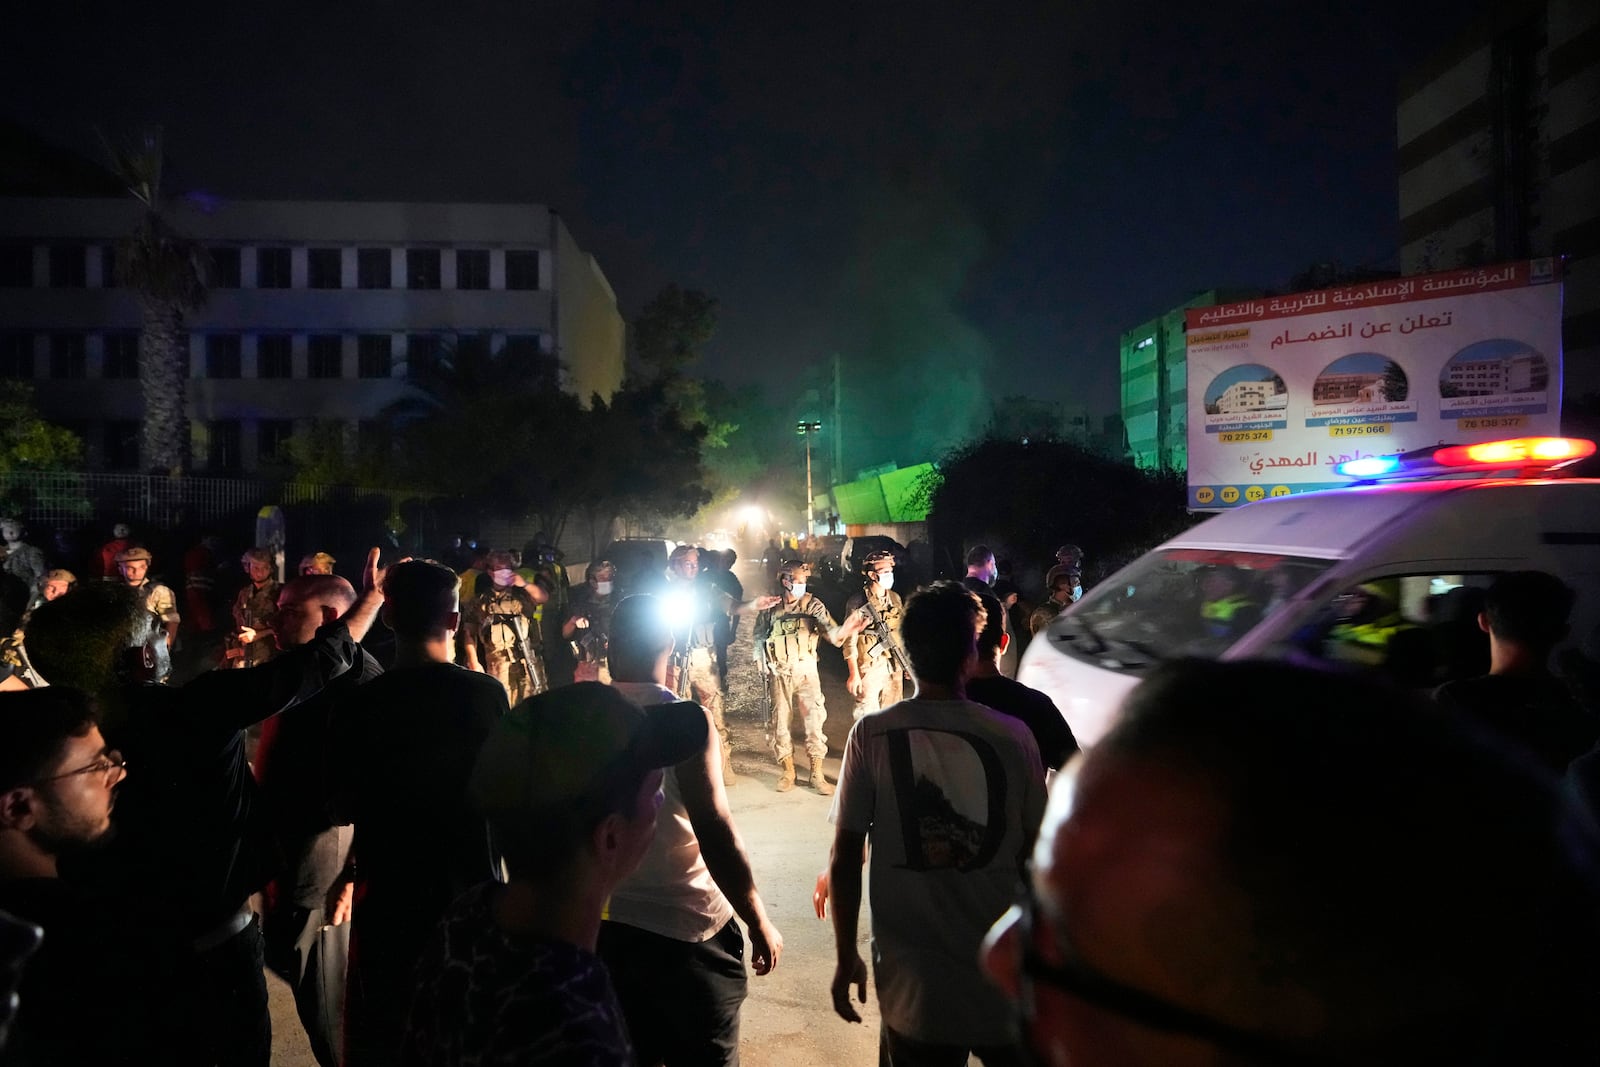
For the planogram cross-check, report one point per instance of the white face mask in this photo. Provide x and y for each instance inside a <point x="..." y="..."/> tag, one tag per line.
<point x="797" y="590"/>
<point x="603" y="588"/>
<point x="1077" y="592"/>
<point x="886" y="580"/>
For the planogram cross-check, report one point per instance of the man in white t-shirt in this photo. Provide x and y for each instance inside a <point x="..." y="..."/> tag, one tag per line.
<point x="675" y="953"/>
<point x="950" y="795"/>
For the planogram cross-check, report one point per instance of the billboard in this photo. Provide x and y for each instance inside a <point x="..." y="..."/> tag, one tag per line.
<point x="1283" y="389"/>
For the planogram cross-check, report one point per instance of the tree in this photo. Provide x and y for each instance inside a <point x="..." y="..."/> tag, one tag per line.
<point x="672" y="328"/>
<point x="1396" y="386"/>
<point x="167" y="273"/>
<point x="28" y="444"/>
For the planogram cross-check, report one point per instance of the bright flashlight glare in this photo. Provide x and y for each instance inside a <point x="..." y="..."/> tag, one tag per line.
<point x="753" y="514"/>
<point x="678" y="609"/>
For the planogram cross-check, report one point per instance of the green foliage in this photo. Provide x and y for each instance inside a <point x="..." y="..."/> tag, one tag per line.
<point x="28" y="442"/>
<point x="1024" y="500"/>
<point x="671" y="330"/>
<point x="1396" y="386"/>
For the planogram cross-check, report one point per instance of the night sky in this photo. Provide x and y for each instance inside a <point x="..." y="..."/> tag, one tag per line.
<point x="965" y="201"/>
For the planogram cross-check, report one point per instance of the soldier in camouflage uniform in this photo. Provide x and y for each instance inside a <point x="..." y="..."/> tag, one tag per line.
<point x="134" y="566"/>
<point x="502" y="629"/>
<point x="696" y="603"/>
<point x="20" y="560"/>
<point x="873" y="658"/>
<point x="255" y="612"/>
<point x="588" y="622"/>
<point x="785" y="638"/>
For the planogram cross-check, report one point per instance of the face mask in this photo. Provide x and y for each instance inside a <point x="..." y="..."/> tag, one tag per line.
<point x="603" y="588"/>
<point x="886" y="580"/>
<point x="1077" y="592"/>
<point x="797" y="590"/>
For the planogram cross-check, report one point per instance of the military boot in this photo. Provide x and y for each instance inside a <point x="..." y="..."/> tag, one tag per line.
<point x="818" y="781"/>
<point x="786" y="779"/>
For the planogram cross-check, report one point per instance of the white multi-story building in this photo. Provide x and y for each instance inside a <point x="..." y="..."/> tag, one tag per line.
<point x="1251" y="396"/>
<point x="1503" y="374"/>
<point x="1499" y="154"/>
<point x="319" y="312"/>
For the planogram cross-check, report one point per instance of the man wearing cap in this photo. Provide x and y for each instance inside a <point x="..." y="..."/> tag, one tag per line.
<point x="21" y="560"/>
<point x="697" y="603"/>
<point x="317" y="563"/>
<point x="134" y="566"/>
<point x="588" y="621"/>
<point x="571" y="782"/>
<point x="255" y="610"/>
<point x="1065" y="586"/>
<point x="502" y="629"/>
<point x="785" y="637"/>
<point x="675" y="953"/>
<point x="873" y="658"/>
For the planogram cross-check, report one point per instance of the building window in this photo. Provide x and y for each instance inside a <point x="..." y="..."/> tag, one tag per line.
<point x="323" y="269"/>
<point x="121" y="356"/>
<point x="522" y="270"/>
<point x="122" y="445"/>
<point x="272" y="268"/>
<point x="374" y="439"/>
<point x="472" y="268"/>
<point x="527" y="350"/>
<point x="471" y="347"/>
<point x="325" y="356"/>
<point x="422" y="353"/>
<point x="223" y="445"/>
<point x="422" y="268"/>
<point x="16" y="355"/>
<point x="67" y="358"/>
<point x="272" y="439"/>
<point x="68" y="267"/>
<point x="373" y="355"/>
<point x="16" y="265"/>
<point x="225" y="272"/>
<point x="222" y="355"/>
<point x="373" y="268"/>
<point x="108" y="266"/>
<point x="274" y="357"/>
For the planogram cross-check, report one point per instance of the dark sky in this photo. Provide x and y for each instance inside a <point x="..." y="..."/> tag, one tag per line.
<point x="965" y="201"/>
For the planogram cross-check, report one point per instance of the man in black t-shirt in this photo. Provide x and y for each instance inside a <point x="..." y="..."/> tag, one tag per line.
<point x="402" y="749"/>
<point x="989" y="687"/>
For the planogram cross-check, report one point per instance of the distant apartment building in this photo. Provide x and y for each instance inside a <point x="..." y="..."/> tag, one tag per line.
<point x="1155" y="394"/>
<point x="1251" y="396"/>
<point x="1354" y="388"/>
<point x="1492" y="377"/>
<point x="1499" y="157"/>
<point x="320" y="314"/>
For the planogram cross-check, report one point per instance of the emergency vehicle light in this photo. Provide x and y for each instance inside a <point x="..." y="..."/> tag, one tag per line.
<point x="1531" y="454"/>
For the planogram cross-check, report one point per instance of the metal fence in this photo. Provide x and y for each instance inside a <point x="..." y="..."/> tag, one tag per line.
<point x="72" y="500"/>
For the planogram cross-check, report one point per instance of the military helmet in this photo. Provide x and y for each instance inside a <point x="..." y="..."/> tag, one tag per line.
<point x="867" y="561"/>
<point x="682" y="551"/>
<point x="794" y="568"/>
<point x="599" y="567"/>
<point x="137" y="552"/>
<point x="317" y="559"/>
<point x="255" y="555"/>
<point x="499" y="560"/>
<point x="60" y="574"/>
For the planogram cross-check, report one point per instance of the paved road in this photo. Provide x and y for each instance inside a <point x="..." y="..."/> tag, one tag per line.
<point x="788" y="1020"/>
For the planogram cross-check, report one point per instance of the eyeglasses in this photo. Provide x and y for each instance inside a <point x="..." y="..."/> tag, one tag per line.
<point x="106" y="764"/>
<point x="1079" y="980"/>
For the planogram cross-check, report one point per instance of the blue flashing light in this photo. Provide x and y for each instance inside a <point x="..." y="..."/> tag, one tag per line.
<point x="1369" y="466"/>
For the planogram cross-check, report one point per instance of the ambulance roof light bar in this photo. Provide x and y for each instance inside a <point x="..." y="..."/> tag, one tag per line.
<point x="1528" y="455"/>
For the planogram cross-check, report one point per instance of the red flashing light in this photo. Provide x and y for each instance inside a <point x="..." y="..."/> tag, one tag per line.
<point x="1546" y="453"/>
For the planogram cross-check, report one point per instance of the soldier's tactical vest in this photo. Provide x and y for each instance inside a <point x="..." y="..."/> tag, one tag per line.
<point x="872" y="642"/>
<point x="793" y="638"/>
<point x="505" y="623"/>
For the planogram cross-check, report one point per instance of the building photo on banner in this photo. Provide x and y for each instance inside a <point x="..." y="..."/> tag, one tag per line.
<point x="1284" y="389"/>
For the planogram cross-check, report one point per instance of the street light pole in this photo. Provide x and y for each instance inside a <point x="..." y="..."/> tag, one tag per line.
<point x="805" y="429"/>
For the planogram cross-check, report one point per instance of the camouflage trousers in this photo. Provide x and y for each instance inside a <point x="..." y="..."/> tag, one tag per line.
<point x="882" y="684"/>
<point x="792" y="687"/>
<point x="703" y="685"/>
<point x="512" y="672"/>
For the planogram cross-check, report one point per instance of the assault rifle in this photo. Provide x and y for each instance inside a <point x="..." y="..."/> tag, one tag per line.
<point x="885" y="635"/>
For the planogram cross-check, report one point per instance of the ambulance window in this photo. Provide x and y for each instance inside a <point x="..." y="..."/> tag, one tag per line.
<point x="1420" y="630"/>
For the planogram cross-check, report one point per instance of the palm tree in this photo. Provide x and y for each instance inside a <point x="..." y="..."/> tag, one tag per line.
<point x="167" y="273"/>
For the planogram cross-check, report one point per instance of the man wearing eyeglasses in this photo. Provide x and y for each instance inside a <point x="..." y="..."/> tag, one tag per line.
<point x="1262" y="864"/>
<point x="58" y="781"/>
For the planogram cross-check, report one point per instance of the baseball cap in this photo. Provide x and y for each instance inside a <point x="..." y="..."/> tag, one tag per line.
<point x="128" y="555"/>
<point x="565" y="751"/>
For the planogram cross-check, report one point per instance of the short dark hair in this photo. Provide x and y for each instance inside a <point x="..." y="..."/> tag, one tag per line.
<point x="978" y="555"/>
<point x="77" y="639"/>
<point x="35" y="725"/>
<point x="1529" y="608"/>
<point x="994" y="626"/>
<point x="326" y="587"/>
<point x="1359" y="873"/>
<point x="418" y="597"/>
<point x="639" y="634"/>
<point x="940" y="629"/>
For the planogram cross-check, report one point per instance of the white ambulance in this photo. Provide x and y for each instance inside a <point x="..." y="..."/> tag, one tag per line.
<point x="1387" y="574"/>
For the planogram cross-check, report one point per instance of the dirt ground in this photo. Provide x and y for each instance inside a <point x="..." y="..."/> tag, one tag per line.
<point x="788" y="1020"/>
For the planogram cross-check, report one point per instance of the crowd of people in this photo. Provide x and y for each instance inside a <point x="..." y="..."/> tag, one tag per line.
<point x="507" y="838"/>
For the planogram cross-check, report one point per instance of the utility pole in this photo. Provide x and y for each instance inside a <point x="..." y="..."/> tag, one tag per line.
<point x="806" y="429"/>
